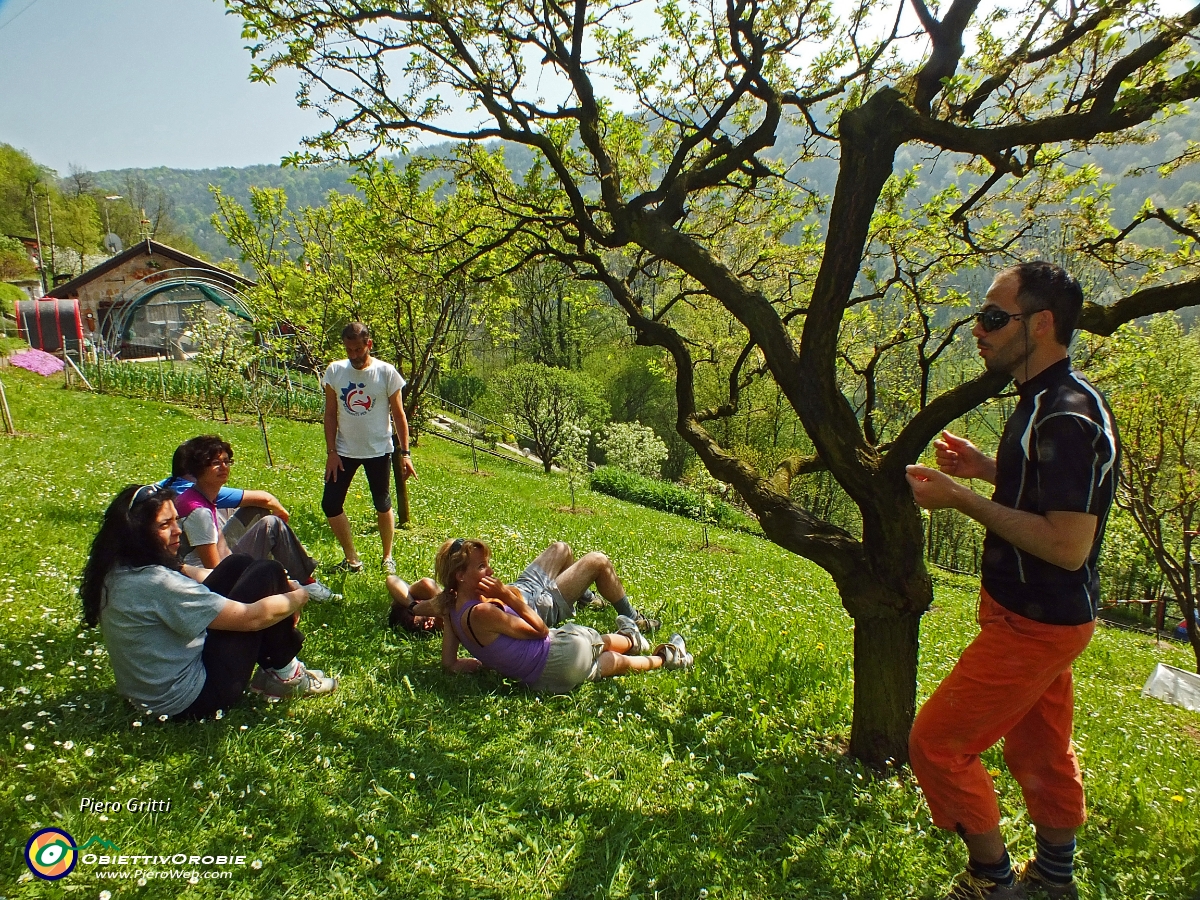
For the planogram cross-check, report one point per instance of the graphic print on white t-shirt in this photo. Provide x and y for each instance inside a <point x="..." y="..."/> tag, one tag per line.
<point x="364" y="418"/>
<point x="355" y="399"/>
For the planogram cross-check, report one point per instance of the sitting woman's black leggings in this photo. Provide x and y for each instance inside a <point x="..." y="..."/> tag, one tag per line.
<point x="230" y="656"/>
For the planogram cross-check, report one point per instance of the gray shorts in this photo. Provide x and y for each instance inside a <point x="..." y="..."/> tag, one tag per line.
<point x="574" y="658"/>
<point x="542" y="594"/>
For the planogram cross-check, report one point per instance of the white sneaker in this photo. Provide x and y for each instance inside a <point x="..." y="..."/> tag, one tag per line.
<point x="318" y="592"/>
<point x="626" y="627"/>
<point x="389" y="566"/>
<point x="674" y="653"/>
<point x="305" y="683"/>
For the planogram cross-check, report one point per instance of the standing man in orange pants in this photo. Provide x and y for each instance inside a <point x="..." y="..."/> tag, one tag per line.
<point x="1055" y="476"/>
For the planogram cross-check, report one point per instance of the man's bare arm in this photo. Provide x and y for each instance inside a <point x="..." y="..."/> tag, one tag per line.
<point x="333" y="462"/>
<point x="1061" y="538"/>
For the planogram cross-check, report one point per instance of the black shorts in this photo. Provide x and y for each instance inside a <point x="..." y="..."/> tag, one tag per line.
<point x="379" y="475"/>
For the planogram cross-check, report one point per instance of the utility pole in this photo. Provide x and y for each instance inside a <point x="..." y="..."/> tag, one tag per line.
<point x="37" y="230"/>
<point x="109" y="199"/>
<point x="50" y="216"/>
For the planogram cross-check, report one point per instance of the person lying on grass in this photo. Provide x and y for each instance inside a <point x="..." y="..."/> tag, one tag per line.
<point x="179" y="647"/>
<point x="554" y="584"/>
<point x="207" y="462"/>
<point x="503" y="632"/>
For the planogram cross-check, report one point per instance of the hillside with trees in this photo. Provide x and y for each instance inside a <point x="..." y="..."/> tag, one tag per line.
<point x="70" y="216"/>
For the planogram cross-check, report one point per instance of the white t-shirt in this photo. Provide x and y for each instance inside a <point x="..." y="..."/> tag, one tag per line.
<point x="364" y="422"/>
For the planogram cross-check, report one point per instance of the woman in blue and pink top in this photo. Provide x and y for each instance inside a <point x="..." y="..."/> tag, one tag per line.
<point x="502" y="632"/>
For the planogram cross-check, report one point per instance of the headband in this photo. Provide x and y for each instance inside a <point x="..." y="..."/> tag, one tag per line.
<point x="138" y="494"/>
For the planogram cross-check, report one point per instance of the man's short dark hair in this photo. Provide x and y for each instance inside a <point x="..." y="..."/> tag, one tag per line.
<point x="1045" y="285"/>
<point x="356" y="331"/>
<point x="179" y="461"/>
<point x="402" y="616"/>
<point x="200" y="452"/>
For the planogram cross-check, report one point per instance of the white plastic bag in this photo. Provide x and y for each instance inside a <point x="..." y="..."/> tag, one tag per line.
<point x="1174" y="686"/>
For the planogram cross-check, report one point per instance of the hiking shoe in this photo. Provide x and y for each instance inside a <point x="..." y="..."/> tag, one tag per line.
<point x="674" y="653"/>
<point x="592" y="600"/>
<point x="345" y="567"/>
<point x="626" y="627"/>
<point x="318" y="592"/>
<point x="647" y="623"/>
<point x="305" y="683"/>
<point x="389" y="566"/>
<point x="1036" y="884"/>
<point x="969" y="886"/>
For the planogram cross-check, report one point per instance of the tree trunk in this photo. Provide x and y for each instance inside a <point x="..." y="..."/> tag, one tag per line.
<point x="887" y="603"/>
<point x="885" y="687"/>
<point x="1193" y="634"/>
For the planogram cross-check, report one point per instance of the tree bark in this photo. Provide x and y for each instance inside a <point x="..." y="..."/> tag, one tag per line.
<point x="885" y="685"/>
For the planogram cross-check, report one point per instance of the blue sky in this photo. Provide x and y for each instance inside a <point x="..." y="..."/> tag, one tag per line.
<point x="110" y="84"/>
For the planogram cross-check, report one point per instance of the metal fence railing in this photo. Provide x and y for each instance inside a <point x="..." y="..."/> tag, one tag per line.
<point x="470" y="417"/>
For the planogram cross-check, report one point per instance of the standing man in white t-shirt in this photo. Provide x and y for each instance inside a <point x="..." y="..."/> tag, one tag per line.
<point x="362" y="399"/>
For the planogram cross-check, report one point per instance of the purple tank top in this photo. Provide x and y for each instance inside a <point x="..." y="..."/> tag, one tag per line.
<point x="511" y="657"/>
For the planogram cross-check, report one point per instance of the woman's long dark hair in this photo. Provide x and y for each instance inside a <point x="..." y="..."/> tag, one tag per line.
<point x="126" y="538"/>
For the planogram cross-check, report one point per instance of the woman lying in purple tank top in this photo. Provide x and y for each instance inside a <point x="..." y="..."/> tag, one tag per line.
<point x="502" y="632"/>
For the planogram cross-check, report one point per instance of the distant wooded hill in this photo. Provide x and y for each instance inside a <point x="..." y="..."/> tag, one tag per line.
<point x="193" y="204"/>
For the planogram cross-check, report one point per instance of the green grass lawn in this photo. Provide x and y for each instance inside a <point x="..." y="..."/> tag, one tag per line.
<point x="726" y="781"/>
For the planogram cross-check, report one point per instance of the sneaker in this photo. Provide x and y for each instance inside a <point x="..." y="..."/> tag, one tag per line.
<point x="674" y="653"/>
<point x="1036" y="884"/>
<point x="389" y="566"/>
<point x="345" y="567"/>
<point x="305" y="683"/>
<point x="318" y="592"/>
<point x="626" y="627"/>
<point x="969" y="886"/>
<point x="647" y="623"/>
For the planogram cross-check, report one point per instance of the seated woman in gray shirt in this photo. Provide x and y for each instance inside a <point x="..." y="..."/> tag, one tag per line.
<point x="180" y="648"/>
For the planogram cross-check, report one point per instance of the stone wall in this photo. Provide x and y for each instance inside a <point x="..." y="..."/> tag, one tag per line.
<point x="107" y="287"/>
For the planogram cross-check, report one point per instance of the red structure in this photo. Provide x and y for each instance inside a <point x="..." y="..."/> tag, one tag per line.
<point x="50" y="324"/>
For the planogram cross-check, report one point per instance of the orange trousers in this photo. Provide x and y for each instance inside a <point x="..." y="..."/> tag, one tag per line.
<point x="1012" y="682"/>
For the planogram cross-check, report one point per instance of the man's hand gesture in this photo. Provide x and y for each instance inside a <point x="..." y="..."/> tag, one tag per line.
<point x="959" y="457"/>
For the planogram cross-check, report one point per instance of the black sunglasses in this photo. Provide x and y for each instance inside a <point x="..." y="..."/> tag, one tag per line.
<point x="995" y="319"/>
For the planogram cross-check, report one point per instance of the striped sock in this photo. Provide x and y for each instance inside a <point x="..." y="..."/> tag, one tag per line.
<point x="625" y="608"/>
<point x="1055" y="862"/>
<point x="999" y="872"/>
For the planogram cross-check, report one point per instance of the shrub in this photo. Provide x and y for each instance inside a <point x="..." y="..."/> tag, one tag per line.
<point x="665" y="496"/>
<point x="9" y="295"/>
<point x="14" y="259"/>
<point x="633" y="447"/>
